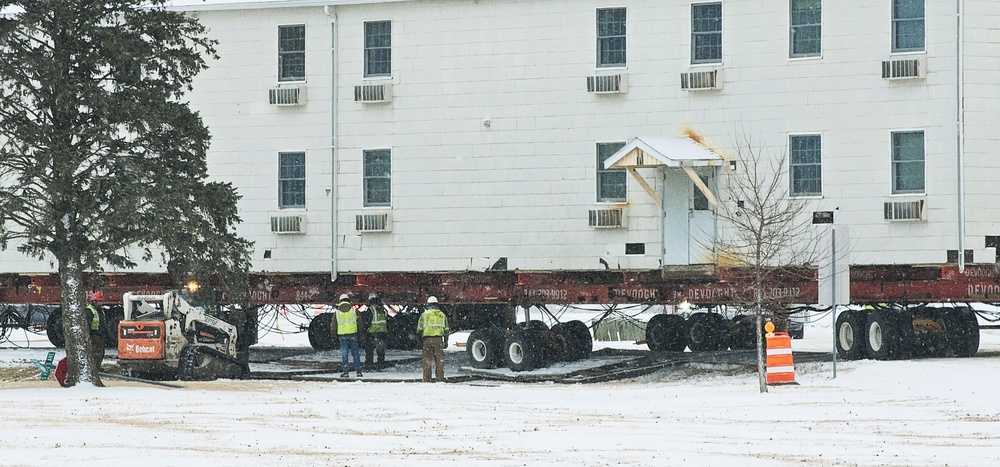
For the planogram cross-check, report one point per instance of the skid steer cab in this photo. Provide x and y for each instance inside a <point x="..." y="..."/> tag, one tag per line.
<point x="162" y="336"/>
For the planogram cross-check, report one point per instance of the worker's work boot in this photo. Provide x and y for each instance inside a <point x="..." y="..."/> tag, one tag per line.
<point x="345" y="375"/>
<point x="359" y="374"/>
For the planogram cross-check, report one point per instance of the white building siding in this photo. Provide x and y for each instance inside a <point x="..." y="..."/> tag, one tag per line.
<point x="465" y="194"/>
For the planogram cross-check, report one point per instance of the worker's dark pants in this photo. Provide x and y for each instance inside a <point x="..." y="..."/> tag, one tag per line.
<point x="96" y="351"/>
<point x="433" y="354"/>
<point x="375" y="344"/>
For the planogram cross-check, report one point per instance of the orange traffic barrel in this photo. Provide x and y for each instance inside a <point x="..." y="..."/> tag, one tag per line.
<point x="780" y="368"/>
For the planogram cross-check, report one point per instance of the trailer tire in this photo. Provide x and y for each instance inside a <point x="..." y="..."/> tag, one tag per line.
<point x="522" y="351"/>
<point x="851" y="341"/>
<point x="483" y="348"/>
<point x="579" y="340"/>
<point x="884" y="336"/>
<point x="321" y="332"/>
<point x="741" y="335"/>
<point x="666" y="333"/>
<point x="112" y="316"/>
<point x="706" y="331"/>
<point x="963" y="332"/>
<point x="54" y="328"/>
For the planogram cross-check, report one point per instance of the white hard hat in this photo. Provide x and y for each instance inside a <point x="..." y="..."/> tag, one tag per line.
<point x="344" y="296"/>
<point x="432" y="299"/>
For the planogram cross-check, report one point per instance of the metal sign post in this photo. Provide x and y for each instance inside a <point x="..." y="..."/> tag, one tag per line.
<point x="835" y="278"/>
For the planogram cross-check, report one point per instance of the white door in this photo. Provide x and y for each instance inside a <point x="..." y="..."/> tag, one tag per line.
<point x="688" y="221"/>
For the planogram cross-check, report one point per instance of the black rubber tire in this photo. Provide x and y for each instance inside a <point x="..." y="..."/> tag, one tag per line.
<point x="54" y="328"/>
<point x="963" y="337"/>
<point x="321" y="332"/>
<point x="112" y="315"/>
<point x="580" y="342"/>
<point x="402" y="332"/>
<point x="851" y="335"/>
<point x="484" y="348"/>
<point x="706" y="331"/>
<point x="884" y="335"/>
<point x="741" y="332"/>
<point x="522" y="351"/>
<point x="666" y="333"/>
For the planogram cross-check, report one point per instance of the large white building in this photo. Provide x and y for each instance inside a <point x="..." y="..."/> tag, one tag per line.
<point x="448" y="135"/>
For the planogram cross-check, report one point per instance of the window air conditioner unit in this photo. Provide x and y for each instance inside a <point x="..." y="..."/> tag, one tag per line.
<point x="905" y="211"/>
<point x="606" y="218"/>
<point x="294" y="95"/>
<point x="701" y="80"/>
<point x="373" y="93"/>
<point x="373" y="222"/>
<point x="288" y="224"/>
<point x="607" y="84"/>
<point x="909" y="68"/>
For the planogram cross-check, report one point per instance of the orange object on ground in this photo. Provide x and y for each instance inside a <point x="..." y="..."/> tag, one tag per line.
<point x="780" y="367"/>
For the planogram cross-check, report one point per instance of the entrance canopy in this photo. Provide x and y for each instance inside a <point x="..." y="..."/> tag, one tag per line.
<point x="650" y="152"/>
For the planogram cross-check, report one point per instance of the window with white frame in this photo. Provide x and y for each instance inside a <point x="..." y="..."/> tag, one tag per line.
<point x="908" y="162"/>
<point x="610" y="182"/>
<point x="292" y="53"/>
<point x="907" y="25"/>
<point x="611" y="37"/>
<point x="377" y="177"/>
<point x="805" y="165"/>
<point x="291" y="180"/>
<point x="706" y="33"/>
<point x="378" y="48"/>
<point x="805" y="28"/>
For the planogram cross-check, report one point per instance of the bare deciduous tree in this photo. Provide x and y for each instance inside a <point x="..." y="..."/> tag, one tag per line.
<point x="767" y="234"/>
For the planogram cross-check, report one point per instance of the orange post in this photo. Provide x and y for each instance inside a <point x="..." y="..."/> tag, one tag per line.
<point x="780" y="367"/>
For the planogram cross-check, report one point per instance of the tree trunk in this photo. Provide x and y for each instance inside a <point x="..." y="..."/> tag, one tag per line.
<point x="75" y="325"/>
<point x="761" y="362"/>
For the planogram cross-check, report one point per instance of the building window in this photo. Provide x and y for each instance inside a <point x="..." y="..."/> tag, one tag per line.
<point x="907" y="25"/>
<point x="805" y="165"/>
<point x="378" y="48"/>
<point x="610" y="37"/>
<point x="706" y="33"/>
<point x="610" y="182"/>
<point x="700" y="201"/>
<point x="291" y="180"/>
<point x="292" y="53"/>
<point x="377" y="177"/>
<point x="908" y="162"/>
<point x="805" y="28"/>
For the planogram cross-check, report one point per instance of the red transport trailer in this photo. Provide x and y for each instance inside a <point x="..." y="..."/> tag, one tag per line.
<point x="889" y="316"/>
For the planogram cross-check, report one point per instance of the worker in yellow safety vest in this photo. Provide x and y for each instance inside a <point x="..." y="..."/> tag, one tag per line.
<point x="95" y="320"/>
<point x="376" y="344"/>
<point x="433" y="326"/>
<point x="347" y="333"/>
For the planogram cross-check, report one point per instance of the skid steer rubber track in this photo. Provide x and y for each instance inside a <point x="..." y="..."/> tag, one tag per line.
<point x="203" y="363"/>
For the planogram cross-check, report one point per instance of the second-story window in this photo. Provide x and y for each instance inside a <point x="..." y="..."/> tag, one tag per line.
<point x="292" y="53"/>
<point x="805" y="165"/>
<point x="907" y="25"/>
<point x="610" y="182"/>
<point x="610" y="37"/>
<point x="804" y="18"/>
<point x="378" y="48"/>
<point x="377" y="177"/>
<point x="907" y="162"/>
<point x="706" y="33"/>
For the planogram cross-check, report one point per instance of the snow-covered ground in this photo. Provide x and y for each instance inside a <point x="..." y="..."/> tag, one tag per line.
<point x="920" y="412"/>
